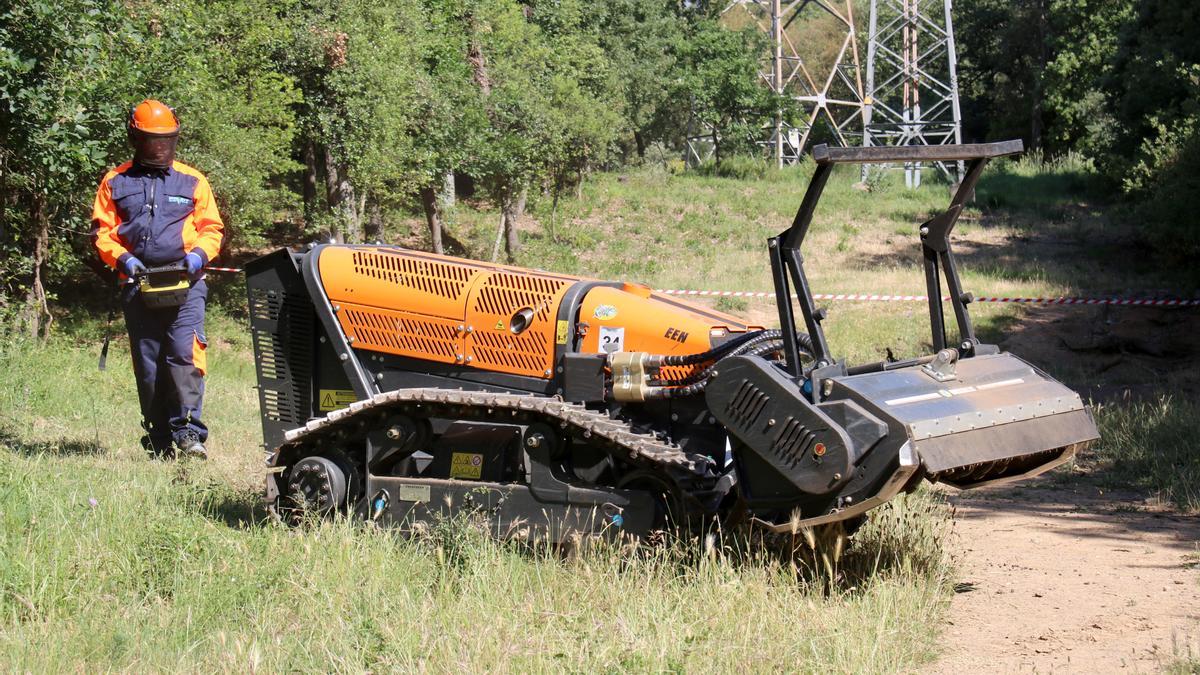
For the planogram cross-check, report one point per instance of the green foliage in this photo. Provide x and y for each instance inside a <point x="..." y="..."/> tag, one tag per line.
<point x="1113" y="80"/>
<point x="642" y="40"/>
<point x="1168" y="175"/>
<point x="349" y="106"/>
<point x="70" y="72"/>
<point x="718" y="75"/>
<point x="214" y="65"/>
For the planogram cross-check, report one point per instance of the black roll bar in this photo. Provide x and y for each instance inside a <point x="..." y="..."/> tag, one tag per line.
<point x="787" y="263"/>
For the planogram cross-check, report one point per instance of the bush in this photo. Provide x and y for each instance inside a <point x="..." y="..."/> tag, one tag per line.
<point x="741" y="167"/>
<point x="1169" y="176"/>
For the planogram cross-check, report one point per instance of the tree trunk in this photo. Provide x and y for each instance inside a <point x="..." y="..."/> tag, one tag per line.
<point x="1041" y="57"/>
<point x="716" y="147"/>
<point x="641" y="144"/>
<point x="332" y="195"/>
<point x="360" y="214"/>
<point x="36" y="306"/>
<point x="512" y="209"/>
<point x="447" y="197"/>
<point x="555" y="193"/>
<point x="3" y="199"/>
<point x="349" y="212"/>
<point x="499" y="236"/>
<point x="310" y="182"/>
<point x="433" y="217"/>
<point x="374" y="228"/>
<point x="339" y="191"/>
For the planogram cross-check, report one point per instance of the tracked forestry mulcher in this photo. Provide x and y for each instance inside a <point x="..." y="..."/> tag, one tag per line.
<point x="403" y="386"/>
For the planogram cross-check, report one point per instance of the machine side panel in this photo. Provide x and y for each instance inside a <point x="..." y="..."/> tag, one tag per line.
<point x="390" y="279"/>
<point x="282" y="327"/>
<point x="447" y="310"/>
<point x="402" y="333"/>
<point x="512" y="322"/>
<point x="618" y="320"/>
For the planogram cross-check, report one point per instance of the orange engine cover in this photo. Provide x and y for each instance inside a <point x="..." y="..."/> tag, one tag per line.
<point x="452" y="310"/>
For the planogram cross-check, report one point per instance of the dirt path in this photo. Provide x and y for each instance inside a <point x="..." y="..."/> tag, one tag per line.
<point x="1065" y="579"/>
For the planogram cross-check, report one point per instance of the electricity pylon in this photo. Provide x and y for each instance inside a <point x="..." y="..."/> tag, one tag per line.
<point x="912" y="81"/>
<point x="827" y="87"/>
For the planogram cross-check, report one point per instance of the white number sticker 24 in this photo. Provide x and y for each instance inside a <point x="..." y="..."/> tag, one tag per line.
<point x="612" y="340"/>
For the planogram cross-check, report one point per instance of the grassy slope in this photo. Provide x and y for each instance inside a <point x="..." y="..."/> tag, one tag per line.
<point x="171" y="568"/>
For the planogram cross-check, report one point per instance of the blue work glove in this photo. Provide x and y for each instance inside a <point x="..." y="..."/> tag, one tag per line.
<point x="194" y="264"/>
<point x="133" y="267"/>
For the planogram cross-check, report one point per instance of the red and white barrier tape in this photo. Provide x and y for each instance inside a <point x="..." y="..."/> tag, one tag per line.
<point x="1168" y="302"/>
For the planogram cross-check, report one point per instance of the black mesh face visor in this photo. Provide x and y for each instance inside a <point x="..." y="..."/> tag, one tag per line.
<point x="153" y="151"/>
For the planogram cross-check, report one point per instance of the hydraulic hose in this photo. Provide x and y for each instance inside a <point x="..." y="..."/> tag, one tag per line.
<point x="697" y="382"/>
<point x="718" y="351"/>
<point x="764" y="337"/>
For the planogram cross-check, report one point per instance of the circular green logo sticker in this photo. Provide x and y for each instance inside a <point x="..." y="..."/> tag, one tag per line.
<point x="605" y="312"/>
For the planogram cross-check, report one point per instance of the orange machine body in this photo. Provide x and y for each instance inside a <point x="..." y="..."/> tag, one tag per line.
<point x="456" y="311"/>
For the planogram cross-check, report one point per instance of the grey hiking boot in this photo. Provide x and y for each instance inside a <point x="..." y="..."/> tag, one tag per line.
<point x="190" y="447"/>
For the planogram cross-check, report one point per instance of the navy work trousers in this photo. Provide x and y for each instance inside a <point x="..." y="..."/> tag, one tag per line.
<point x="169" y="362"/>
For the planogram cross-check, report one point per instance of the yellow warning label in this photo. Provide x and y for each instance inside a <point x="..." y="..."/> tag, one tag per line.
<point x="563" y="328"/>
<point x="332" y="399"/>
<point x="466" y="465"/>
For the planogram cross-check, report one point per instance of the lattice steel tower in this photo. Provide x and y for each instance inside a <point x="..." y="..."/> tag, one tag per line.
<point x="912" y="83"/>
<point x="827" y="85"/>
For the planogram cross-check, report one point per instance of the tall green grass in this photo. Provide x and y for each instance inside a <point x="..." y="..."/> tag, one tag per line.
<point x="1151" y="445"/>
<point x="110" y="561"/>
<point x="153" y="577"/>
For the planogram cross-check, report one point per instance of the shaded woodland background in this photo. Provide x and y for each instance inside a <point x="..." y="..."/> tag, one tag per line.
<point x="316" y="118"/>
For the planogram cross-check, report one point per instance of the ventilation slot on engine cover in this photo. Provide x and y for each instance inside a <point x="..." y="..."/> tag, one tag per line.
<point x="502" y="294"/>
<point x="526" y="354"/>
<point x="792" y="442"/>
<point x="747" y="404"/>
<point x="401" y="333"/>
<point x="427" y="276"/>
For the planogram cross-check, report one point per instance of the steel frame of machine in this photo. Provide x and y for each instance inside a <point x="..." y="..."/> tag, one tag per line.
<point x="787" y="262"/>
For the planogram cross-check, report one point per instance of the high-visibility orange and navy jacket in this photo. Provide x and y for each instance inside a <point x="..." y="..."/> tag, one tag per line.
<point x="155" y="215"/>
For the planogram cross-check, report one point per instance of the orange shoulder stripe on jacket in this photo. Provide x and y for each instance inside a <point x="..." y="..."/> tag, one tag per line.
<point x="105" y="220"/>
<point x="204" y="228"/>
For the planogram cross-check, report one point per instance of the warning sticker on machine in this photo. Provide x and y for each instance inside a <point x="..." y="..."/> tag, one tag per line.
<point x="561" y="335"/>
<point x="466" y="465"/>
<point x="332" y="399"/>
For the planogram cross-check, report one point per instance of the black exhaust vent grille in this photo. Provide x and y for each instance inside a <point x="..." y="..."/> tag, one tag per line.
<point x="282" y="323"/>
<point x="281" y="327"/>
<point x="792" y="442"/>
<point x="747" y="404"/>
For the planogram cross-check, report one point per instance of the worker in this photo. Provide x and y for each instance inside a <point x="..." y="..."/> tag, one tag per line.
<point x="150" y="212"/>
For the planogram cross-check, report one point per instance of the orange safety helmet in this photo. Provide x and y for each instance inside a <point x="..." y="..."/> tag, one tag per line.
<point x="153" y="131"/>
<point x="153" y="117"/>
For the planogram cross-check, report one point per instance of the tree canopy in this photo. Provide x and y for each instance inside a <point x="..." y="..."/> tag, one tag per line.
<point x="321" y="115"/>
